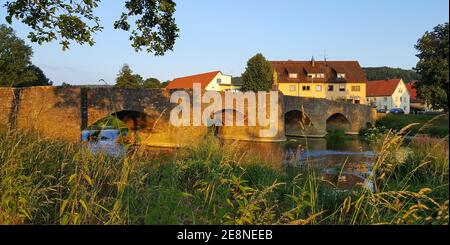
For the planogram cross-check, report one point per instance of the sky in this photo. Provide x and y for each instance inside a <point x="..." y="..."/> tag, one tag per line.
<point x="224" y="34"/>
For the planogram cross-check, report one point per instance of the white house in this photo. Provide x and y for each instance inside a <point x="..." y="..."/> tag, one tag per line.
<point x="388" y="94"/>
<point x="212" y="81"/>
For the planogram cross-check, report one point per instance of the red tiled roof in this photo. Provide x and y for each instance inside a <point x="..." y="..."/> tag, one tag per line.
<point x="352" y="70"/>
<point x="381" y="87"/>
<point x="187" y="82"/>
<point x="412" y="90"/>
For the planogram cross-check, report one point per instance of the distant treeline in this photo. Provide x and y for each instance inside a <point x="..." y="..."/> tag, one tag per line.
<point x="380" y="73"/>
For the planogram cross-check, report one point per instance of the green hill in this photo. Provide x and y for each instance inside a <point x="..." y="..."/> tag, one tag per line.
<point x="380" y="73"/>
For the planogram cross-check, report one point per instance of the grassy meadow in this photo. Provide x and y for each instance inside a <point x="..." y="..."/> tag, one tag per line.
<point x="436" y="126"/>
<point x="53" y="182"/>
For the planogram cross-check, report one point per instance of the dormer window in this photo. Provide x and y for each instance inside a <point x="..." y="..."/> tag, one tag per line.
<point x="293" y="75"/>
<point x="341" y="75"/>
<point x="316" y="75"/>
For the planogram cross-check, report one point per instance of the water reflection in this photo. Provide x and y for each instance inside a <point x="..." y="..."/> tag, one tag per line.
<point x="319" y="151"/>
<point x="103" y="141"/>
<point x="343" y="163"/>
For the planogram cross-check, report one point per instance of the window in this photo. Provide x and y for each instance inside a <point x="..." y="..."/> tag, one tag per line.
<point x="330" y="88"/>
<point x="401" y="99"/>
<point x="305" y="88"/>
<point x="292" y="88"/>
<point x="316" y="75"/>
<point x="219" y="80"/>
<point x="342" y="87"/>
<point x="341" y="75"/>
<point x="356" y="88"/>
<point x="292" y="75"/>
<point x="357" y="100"/>
<point x="318" y="87"/>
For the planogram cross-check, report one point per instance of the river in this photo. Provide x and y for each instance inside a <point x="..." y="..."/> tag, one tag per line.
<point x="342" y="162"/>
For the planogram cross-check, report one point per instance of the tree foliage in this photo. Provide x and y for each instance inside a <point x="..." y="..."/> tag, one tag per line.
<point x="66" y="85"/>
<point x="40" y="80"/>
<point x="16" y="68"/>
<point x="433" y="66"/>
<point x="126" y="78"/>
<point x="164" y="84"/>
<point x="381" y="73"/>
<point x="151" y="83"/>
<point x="154" y="27"/>
<point x="258" y="75"/>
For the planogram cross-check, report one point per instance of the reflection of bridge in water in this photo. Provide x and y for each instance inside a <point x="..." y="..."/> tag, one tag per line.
<point x="62" y="112"/>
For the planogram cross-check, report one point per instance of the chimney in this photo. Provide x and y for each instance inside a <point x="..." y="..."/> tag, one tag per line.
<point x="313" y="61"/>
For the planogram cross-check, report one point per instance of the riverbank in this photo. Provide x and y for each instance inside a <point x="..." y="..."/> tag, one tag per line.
<point x="53" y="182"/>
<point x="433" y="125"/>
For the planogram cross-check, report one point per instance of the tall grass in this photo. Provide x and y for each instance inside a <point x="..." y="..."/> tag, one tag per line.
<point x="436" y="126"/>
<point x="54" y="182"/>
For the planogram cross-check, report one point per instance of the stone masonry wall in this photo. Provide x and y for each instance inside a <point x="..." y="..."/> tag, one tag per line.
<point x="62" y="112"/>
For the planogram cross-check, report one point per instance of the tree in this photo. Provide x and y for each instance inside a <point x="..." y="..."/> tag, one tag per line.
<point x="15" y="66"/>
<point x="154" y="27"/>
<point x="15" y="58"/>
<point x="65" y="85"/>
<point x="258" y="75"/>
<point x="433" y="56"/>
<point x="138" y="79"/>
<point x="126" y="78"/>
<point x="41" y="79"/>
<point x="164" y="84"/>
<point x="151" y="83"/>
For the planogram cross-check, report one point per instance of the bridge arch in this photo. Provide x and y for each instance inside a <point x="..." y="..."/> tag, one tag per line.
<point x="224" y="116"/>
<point x="338" y="121"/>
<point x="296" y="122"/>
<point x="135" y="120"/>
<point x="128" y="122"/>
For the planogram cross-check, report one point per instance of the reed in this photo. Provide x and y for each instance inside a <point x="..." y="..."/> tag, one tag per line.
<point x="46" y="181"/>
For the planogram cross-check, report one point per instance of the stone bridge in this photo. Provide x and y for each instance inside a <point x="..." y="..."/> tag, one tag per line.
<point x="317" y="117"/>
<point x="63" y="112"/>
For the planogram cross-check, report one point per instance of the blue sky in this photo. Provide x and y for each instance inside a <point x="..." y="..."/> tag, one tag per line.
<point x="224" y="34"/>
